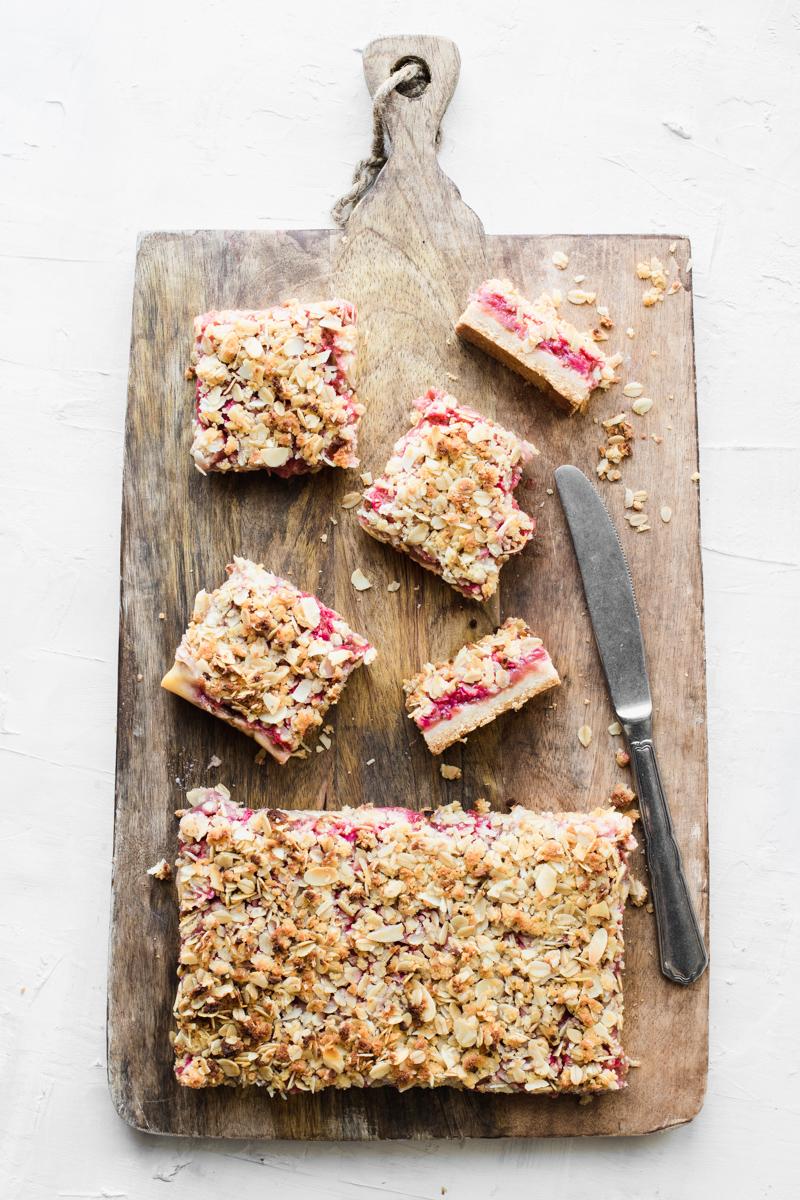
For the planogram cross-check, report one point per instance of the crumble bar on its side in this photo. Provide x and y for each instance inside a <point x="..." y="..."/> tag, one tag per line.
<point x="265" y="657"/>
<point x="446" y="496"/>
<point x="380" y="946"/>
<point x="532" y="339"/>
<point x="274" y="388"/>
<point x="503" y="670"/>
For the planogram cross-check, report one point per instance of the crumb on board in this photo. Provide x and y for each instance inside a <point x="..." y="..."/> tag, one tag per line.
<point x="160" y="870"/>
<point x="621" y="795"/>
<point x="448" y="772"/>
<point x="585" y="735"/>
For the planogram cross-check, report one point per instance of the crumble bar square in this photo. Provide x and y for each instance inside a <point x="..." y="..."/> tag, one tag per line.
<point x="532" y="339"/>
<point x="446" y="499"/>
<point x="265" y="657"/>
<point x="380" y="946"/>
<point x="503" y="670"/>
<point x="274" y="388"/>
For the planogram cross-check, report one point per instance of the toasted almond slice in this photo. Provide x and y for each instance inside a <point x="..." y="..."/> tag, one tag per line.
<point x="359" y="580"/>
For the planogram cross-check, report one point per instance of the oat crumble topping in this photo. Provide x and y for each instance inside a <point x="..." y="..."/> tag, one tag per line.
<point x="446" y="499"/>
<point x="380" y="946"/>
<point x="274" y="388"/>
<point x="265" y="657"/>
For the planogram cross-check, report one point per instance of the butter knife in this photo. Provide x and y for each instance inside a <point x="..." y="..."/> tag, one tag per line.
<point x="615" y="620"/>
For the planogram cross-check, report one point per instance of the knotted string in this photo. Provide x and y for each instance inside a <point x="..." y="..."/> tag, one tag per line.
<point x="368" y="169"/>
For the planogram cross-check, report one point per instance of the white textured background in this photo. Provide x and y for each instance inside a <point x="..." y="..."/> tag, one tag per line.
<point x="680" y="117"/>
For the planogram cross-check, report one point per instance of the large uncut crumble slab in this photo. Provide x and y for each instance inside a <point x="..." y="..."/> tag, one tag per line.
<point x="536" y="342"/>
<point x="381" y="946"/>
<point x="265" y="657"/>
<point x="446" y="495"/>
<point x="447" y="700"/>
<point x="274" y="388"/>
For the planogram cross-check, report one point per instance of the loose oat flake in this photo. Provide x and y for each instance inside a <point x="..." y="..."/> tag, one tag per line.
<point x="380" y="946"/>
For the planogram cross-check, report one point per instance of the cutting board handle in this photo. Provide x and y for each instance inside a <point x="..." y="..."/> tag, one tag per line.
<point x="414" y="113"/>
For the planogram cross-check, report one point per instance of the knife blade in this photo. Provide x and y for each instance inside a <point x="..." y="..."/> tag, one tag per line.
<point x="614" y="615"/>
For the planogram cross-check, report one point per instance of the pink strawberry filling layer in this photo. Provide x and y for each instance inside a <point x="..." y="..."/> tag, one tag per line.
<point x="578" y="360"/>
<point x="446" y="707"/>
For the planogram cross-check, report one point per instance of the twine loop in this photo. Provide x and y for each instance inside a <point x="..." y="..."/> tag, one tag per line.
<point x="409" y="73"/>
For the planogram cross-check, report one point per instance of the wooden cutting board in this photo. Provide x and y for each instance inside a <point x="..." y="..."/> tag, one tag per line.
<point x="411" y="253"/>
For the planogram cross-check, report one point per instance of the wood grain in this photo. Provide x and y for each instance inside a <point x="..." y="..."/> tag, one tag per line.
<point x="409" y="256"/>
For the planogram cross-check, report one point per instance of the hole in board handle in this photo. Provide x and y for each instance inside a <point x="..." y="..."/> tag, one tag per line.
<point x="414" y="87"/>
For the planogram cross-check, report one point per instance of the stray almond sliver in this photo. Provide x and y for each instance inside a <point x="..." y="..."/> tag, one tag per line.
<point x="359" y="580"/>
<point x="351" y="499"/>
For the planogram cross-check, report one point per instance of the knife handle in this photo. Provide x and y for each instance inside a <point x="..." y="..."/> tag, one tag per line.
<point x="680" y="942"/>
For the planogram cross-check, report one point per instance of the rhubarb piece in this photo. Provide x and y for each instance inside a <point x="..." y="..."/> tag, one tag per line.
<point x="446" y="495"/>
<point x="273" y="389"/>
<point x="532" y="339"/>
<point x="380" y="946"/>
<point x="265" y="657"/>
<point x="447" y="700"/>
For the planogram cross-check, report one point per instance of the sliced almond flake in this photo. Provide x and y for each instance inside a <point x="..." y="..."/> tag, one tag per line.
<point x="642" y="405"/>
<point x="351" y="499"/>
<point x="576" y="296"/>
<point x="633" y="389"/>
<point x="665" y="514"/>
<point x="394" y="586"/>
<point x="560" y="260"/>
<point x="628" y="498"/>
<point x="359" y="580"/>
<point x="366" y="478"/>
<point x="635" y="519"/>
<point x="615" y="729"/>
<point x="448" y="772"/>
<point x="578" y="278"/>
<point x="585" y="735"/>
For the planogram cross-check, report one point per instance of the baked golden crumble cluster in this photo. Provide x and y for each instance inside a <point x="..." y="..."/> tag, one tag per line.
<point x="446" y="700"/>
<point x="446" y="496"/>
<point x="274" y="388"/>
<point x="265" y="657"/>
<point x="380" y="946"/>
<point x="533" y="339"/>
